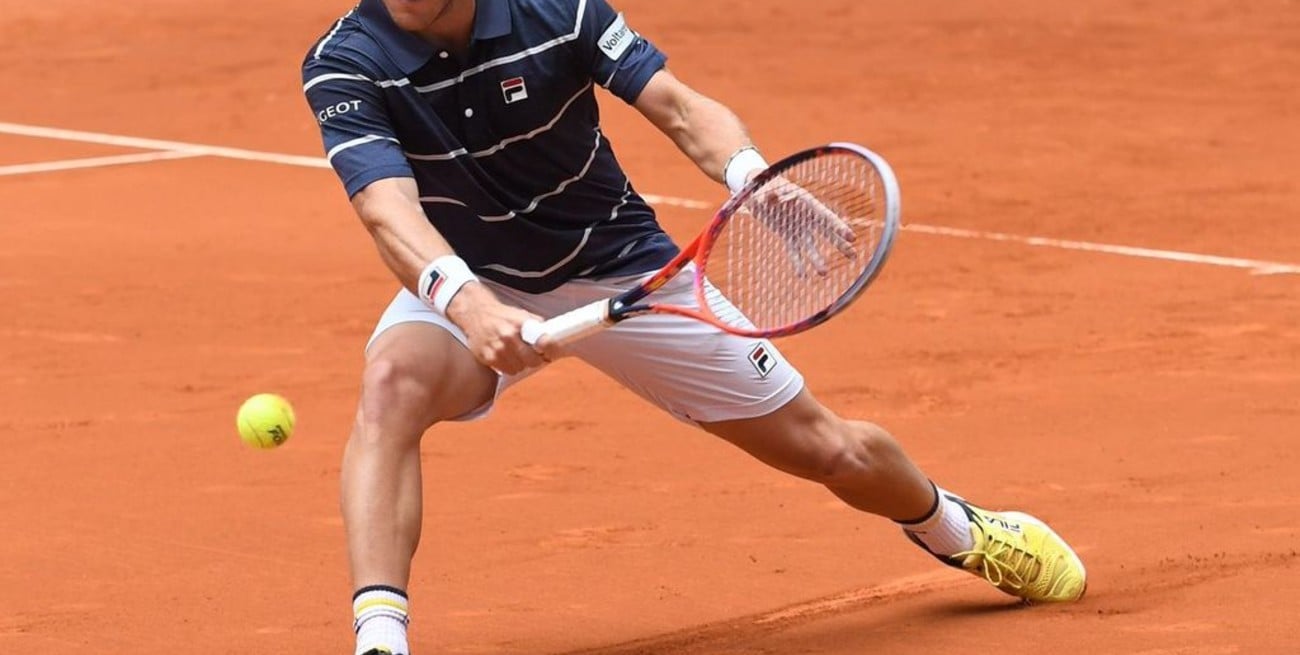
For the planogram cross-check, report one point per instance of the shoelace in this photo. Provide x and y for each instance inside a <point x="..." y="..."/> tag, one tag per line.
<point x="1002" y="561"/>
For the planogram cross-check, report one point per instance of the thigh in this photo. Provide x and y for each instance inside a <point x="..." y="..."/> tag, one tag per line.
<point x="419" y="351"/>
<point x="424" y="364"/>
<point x="801" y="437"/>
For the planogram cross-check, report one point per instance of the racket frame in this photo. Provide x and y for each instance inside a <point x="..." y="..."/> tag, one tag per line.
<point x="892" y="224"/>
<point x="578" y="323"/>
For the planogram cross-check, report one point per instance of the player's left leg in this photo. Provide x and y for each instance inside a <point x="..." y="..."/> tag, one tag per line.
<point x="863" y="465"/>
<point x="858" y="461"/>
<point x="744" y="391"/>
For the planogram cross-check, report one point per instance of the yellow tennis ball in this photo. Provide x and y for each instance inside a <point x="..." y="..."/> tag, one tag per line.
<point x="265" y="421"/>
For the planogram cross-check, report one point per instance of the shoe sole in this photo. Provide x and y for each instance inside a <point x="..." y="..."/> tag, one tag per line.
<point x="1025" y="518"/>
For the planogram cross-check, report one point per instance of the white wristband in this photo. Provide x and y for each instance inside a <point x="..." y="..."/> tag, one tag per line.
<point x="441" y="279"/>
<point x="742" y="163"/>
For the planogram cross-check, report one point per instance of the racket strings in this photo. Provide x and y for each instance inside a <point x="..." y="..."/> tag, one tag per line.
<point x="799" y="244"/>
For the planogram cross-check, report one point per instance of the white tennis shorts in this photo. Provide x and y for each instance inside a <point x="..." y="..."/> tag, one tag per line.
<point x="691" y="369"/>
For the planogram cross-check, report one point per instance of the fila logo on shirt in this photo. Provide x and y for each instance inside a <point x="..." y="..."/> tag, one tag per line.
<point x="514" y="90"/>
<point x="763" y="360"/>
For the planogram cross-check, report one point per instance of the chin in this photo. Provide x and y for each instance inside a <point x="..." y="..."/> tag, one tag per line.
<point x="414" y="15"/>
<point x="408" y="22"/>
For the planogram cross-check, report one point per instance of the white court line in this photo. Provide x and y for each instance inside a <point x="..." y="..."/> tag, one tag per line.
<point x="158" y="144"/>
<point x="197" y="149"/>
<point x="95" y="162"/>
<point x="1257" y="267"/>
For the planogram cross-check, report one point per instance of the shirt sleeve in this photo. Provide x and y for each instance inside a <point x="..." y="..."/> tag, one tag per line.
<point x="621" y="60"/>
<point x="349" y="107"/>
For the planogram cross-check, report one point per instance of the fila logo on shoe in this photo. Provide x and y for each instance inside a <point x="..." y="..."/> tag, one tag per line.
<point x="1001" y="522"/>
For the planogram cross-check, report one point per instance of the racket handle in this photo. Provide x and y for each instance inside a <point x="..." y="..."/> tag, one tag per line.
<point x="570" y="326"/>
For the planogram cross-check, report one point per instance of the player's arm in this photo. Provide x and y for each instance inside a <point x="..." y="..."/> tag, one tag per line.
<point x="390" y="210"/>
<point x="709" y="133"/>
<point x="716" y="140"/>
<point x="703" y="129"/>
<point x="633" y="69"/>
<point x="410" y="246"/>
<point x="364" y="150"/>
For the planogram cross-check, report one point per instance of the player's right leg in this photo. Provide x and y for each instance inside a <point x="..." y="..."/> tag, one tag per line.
<point x="417" y="373"/>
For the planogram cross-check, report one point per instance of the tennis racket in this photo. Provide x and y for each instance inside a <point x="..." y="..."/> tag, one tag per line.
<point x="792" y="249"/>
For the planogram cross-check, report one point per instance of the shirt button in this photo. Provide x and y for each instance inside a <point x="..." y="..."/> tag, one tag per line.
<point x="469" y="113"/>
<point x="443" y="55"/>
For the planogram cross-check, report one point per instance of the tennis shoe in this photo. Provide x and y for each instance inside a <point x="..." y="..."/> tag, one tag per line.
<point x="1021" y="556"/>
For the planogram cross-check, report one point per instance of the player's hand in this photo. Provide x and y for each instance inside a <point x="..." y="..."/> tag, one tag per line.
<point x="493" y="329"/>
<point x="810" y="228"/>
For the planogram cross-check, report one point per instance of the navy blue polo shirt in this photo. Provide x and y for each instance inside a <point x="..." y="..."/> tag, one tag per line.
<point x="505" y="144"/>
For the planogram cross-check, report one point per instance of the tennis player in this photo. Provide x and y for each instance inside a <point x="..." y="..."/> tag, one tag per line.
<point x="467" y="135"/>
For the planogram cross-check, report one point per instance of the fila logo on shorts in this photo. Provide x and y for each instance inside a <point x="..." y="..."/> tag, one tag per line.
<point x="762" y="360"/>
<point x="514" y="90"/>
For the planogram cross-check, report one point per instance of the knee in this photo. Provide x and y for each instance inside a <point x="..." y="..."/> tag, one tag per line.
<point x="395" y="402"/>
<point x="852" y="452"/>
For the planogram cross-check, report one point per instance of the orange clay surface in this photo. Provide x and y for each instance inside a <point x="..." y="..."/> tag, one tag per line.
<point x="1150" y="410"/>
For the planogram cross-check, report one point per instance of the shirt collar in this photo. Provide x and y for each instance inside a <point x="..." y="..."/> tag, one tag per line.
<point x="409" y="51"/>
<point x="492" y="19"/>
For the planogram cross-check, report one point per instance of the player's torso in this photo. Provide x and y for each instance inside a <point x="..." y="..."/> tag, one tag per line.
<point x="517" y="130"/>
<point x="505" y="145"/>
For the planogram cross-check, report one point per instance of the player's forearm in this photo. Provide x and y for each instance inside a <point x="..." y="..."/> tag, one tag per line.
<point x="406" y="241"/>
<point x="415" y="251"/>
<point x="704" y="129"/>
<point x="709" y="134"/>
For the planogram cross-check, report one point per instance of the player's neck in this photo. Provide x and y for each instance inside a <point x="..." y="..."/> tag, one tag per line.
<point x="453" y="27"/>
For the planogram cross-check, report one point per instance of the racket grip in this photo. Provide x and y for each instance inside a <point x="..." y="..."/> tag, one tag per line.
<point x="570" y="326"/>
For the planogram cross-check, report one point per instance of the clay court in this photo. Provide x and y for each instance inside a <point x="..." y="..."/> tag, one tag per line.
<point x="1093" y="314"/>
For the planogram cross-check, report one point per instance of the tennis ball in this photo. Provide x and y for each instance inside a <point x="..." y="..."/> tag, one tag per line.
<point x="265" y="420"/>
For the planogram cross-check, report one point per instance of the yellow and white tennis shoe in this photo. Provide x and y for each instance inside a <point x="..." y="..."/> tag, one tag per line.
<point x="1020" y="555"/>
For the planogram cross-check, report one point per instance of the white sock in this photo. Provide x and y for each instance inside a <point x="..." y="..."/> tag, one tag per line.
<point x="380" y="620"/>
<point x="946" y="531"/>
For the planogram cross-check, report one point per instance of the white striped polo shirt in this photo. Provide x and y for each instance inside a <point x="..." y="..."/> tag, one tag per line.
<point x="505" y="145"/>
